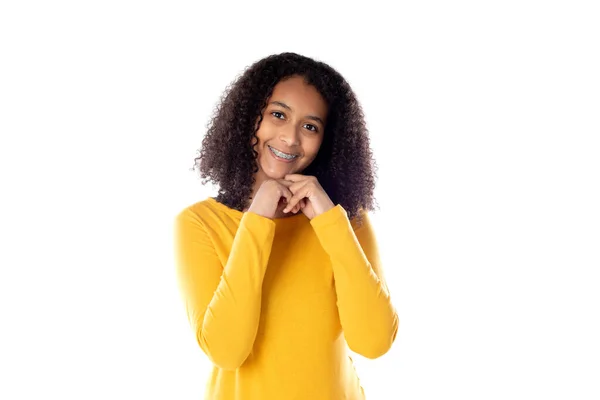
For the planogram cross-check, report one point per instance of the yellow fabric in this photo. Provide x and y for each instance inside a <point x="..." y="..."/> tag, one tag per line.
<point x="275" y="303"/>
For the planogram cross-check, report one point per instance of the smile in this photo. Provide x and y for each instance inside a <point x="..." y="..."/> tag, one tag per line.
<point x="282" y="155"/>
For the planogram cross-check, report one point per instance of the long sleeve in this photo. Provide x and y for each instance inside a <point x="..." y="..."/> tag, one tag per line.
<point x="223" y="302"/>
<point x="367" y="315"/>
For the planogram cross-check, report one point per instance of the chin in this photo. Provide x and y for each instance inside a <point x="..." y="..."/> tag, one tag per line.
<point x="282" y="175"/>
<point x="278" y="176"/>
<point x="281" y="172"/>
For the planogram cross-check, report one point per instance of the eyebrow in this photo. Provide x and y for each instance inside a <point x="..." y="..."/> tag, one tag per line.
<point x="313" y="117"/>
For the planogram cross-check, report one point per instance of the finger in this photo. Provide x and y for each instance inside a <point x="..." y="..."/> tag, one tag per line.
<point x="285" y="182"/>
<point x="290" y="206"/>
<point x="290" y="196"/>
<point x="298" y="187"/>
<point x="297" y="207"/>
<point x="293" y="186"/>
<point x="302" y="204"/>
<point x="286" y="194"/>
<point x="294" y="208"/>
<point x="294" y="200"/>
<point x="295" y="177"/>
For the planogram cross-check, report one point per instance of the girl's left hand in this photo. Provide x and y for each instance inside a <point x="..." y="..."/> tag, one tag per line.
<point x="309" y="193"/>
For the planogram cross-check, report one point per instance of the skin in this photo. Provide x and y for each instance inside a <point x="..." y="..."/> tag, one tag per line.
<point x="291" y="130"/>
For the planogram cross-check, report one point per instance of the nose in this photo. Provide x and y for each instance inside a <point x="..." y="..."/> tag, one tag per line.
<point x="289" y="136"/>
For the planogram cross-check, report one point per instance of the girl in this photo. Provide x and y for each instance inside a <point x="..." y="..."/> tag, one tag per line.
<point x="280" y="272"/>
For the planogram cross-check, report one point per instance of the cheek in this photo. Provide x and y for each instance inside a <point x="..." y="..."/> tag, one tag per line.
<point x="312" y="149"/>
<point x="265" y="132"/>
<point x="261" y="139"/>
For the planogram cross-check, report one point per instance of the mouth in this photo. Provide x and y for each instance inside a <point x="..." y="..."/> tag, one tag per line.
<point x="281" y="156"/>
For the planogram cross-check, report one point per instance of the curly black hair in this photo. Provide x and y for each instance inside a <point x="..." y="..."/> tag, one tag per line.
<point x="344" y="165"/>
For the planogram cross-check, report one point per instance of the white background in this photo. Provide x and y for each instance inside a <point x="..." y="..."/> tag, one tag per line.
<point x="484" y="120"/>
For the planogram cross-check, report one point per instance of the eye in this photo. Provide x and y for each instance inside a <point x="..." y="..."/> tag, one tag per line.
<point x="315" y="128"/>
<point x="312" y="127"/>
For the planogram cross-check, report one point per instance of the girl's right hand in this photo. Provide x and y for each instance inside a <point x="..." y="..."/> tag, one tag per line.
<point x="270" y="196"/>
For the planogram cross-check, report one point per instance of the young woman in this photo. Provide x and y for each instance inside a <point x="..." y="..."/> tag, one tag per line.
<point x="280" y="272"/>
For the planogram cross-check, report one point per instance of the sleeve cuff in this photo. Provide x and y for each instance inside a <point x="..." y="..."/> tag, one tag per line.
<point x="254" y="220"/>
<point x="329" y="217"/>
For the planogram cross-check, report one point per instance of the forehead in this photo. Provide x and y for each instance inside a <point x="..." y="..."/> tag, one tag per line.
<point x="300" y="96"/>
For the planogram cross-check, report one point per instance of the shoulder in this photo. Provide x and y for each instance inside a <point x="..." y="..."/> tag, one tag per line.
<point x="362" y="220"/>
<point x="195" y="213"/>
<point x="210" y="215"/>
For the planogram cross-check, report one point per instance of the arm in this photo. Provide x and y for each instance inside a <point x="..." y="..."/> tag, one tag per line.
<point x="223" y="303"/>
<point x="369" y="320"/>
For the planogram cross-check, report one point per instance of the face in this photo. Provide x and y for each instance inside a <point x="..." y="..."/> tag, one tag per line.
<point x="294" y="124"/>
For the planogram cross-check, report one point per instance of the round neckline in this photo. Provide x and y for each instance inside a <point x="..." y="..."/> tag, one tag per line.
<point x="239" y="213"/>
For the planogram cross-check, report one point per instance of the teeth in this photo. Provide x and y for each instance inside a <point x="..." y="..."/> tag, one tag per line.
<point x="282" y="155"/>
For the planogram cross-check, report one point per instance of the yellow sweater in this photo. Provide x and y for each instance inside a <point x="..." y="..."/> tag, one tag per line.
<point x="269" y="299"/>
